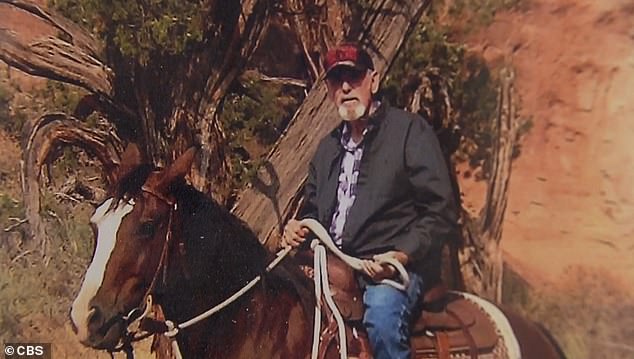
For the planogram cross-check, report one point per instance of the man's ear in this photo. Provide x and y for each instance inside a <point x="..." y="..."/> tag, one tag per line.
<point x="375" y="82"/>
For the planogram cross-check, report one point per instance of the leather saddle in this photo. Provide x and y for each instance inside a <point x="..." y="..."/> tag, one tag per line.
<point x="447" y="325"/>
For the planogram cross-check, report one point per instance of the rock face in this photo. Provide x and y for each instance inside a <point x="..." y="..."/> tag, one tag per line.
<point x="571" y="199"/>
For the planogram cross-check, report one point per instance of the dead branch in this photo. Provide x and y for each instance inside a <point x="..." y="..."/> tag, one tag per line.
<point x="17" y="223"/>
<point x="69" y="57"/>
<point x="46" y="135"/>
<point x="507" y="125"/>
<point x="77" y="35"/>
<point x="289" y="81"/>
<point x="21" y="255"/>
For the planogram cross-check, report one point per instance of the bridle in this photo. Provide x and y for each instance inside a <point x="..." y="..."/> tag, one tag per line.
<point x="138" y="314"/>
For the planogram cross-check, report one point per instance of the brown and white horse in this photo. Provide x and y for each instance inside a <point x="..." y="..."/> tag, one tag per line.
<point x="157" y="235"/>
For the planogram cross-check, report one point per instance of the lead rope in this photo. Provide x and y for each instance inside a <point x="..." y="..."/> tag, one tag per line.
<point x="176" y="327"/>
<point x="173" y="328"/>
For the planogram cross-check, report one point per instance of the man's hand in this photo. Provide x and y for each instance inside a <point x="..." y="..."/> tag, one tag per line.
<point x="294" y="234"/>
<point x="377" y="271"/>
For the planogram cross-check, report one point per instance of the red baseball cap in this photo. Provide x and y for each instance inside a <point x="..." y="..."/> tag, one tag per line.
<point x="347" y="54"/>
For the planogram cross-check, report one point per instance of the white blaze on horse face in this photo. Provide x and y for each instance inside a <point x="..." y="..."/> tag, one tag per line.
<point x="107" y="223"/>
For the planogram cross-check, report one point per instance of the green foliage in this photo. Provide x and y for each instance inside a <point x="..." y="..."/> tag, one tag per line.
<point x="61" y="97"/>
<point x="472" y="89"/>
<point x="253" y="120"/>
<point x="477" y="99"/>
<point x="140" y="29"/>
<point x="427" y="47"/>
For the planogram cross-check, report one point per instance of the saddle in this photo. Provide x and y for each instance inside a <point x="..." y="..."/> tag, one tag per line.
<point x="447" y="325"/>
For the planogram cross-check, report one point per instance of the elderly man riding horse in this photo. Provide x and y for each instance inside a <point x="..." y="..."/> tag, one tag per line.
<point x="380" y="184"/>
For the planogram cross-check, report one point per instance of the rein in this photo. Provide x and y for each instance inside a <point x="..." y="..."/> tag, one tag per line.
<point x="170" y="329"/>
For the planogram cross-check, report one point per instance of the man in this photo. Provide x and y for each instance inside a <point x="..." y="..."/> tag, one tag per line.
<point x="380" y="184"/>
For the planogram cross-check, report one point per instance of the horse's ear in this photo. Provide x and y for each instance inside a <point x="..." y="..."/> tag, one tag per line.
<point x="131" y="158"/>
<point x="179" y="169"/>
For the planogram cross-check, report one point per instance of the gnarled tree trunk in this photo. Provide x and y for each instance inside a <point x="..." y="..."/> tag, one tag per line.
<point x="481" y="255"/>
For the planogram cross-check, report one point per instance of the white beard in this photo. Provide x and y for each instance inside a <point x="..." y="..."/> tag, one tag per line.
<point x="352" y="114"/>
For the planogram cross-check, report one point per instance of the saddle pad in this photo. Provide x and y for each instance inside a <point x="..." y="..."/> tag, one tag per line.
<point x="477" y="323"/>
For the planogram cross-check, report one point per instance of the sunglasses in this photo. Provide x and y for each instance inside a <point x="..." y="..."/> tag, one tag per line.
<point x="340" y="74"/>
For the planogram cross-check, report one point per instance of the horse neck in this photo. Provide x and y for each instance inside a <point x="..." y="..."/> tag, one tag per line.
<point x="212" y="254"/>
<point x="217" y="257"/>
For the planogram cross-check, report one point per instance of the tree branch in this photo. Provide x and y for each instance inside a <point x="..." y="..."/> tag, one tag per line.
<point x="278" y="80"/>
<point x="46" y="135"/>
<point x="78" y="36"/>
<point x="69" y="57"/>
<point x="318" y="25"/>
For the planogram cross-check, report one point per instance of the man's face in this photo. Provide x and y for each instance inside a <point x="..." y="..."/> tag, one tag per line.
<point x="351" y="90"/>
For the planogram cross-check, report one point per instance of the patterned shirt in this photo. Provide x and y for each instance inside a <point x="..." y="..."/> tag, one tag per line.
<point x="347" y="189"/>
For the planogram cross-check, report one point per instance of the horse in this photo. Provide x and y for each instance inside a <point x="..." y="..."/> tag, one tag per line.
<point x="156" y="235"/>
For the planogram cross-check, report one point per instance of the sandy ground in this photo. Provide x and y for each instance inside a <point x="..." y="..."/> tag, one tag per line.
<point x="571" y="200"/>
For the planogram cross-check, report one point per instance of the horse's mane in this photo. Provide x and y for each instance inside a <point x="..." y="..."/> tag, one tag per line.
<point x="130" y="185"/>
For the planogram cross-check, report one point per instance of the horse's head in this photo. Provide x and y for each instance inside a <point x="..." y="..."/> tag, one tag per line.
<point x="131" y="230"/>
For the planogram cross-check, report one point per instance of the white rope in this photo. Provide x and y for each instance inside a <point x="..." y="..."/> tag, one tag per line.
<point x="353" y="262"/>
<point x="317" y="320"/>
<point x="280" y="256"/>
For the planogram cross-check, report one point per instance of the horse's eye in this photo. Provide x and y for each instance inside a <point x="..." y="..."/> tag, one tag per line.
<point x="147" y="229"/>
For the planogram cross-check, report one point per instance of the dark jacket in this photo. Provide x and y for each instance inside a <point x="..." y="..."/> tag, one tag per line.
<point x="404" y="199"/>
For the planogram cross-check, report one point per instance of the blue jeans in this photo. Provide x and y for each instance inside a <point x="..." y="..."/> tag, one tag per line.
<point x="387" y="317"/>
